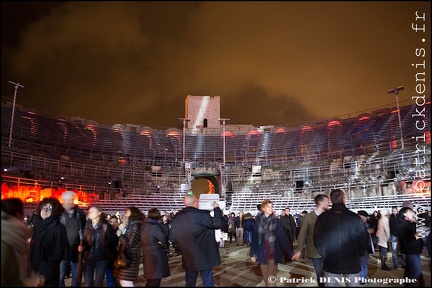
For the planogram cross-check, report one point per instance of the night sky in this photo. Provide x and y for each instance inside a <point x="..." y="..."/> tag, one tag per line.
<point x="270" y="62"/>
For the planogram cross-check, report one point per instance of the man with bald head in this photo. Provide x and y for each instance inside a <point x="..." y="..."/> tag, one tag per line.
<point x="73" y="219"/>
<point x="193" y="233"/>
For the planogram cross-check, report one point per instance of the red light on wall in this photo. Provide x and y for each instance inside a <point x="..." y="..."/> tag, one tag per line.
<point x="334" y="123"/>
<point x="254" y="132"/>
<point x="228" y="134"/>
<point x="174" y="134"/>
<point x="364" y="118"/>
<point x="306" y="128"/>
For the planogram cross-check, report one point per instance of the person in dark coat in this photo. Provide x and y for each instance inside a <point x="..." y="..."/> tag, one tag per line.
<point x="74" y="220"/>
<point x="154" y="240"/>
<point x="249" y="224"/>
<point x="231" y="227"/>
<point x="340" y="239"/>
<point x="373" y="223"/>
<point x="113" y="251"/>
<point x="134" y="221"/>
<point x="269" y="242"/>
<point x="48" y="241"/>
<point x="193" y="232"/>
<point x="364" y="259"/>
<point x="411" y="245"/>
<point x="289" y="225"/>
<point x="224" y="227"/>
<point x="99" y="238"/>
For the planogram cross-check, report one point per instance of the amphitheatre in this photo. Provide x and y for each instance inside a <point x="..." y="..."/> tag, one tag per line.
<point x="375" y="160"/>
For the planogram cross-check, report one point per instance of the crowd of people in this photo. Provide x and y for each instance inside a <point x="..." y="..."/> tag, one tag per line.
<point x="61" y="240"/>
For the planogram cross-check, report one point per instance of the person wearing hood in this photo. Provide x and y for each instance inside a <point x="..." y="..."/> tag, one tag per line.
<point x="48" y="241"/>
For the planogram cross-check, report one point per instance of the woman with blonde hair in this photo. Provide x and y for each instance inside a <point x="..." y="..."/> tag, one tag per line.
<point x="383" y="234"/>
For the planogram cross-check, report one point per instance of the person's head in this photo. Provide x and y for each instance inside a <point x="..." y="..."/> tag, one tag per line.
<point x="322" y="201"/>
<point x="384" y="213"/>
<point x="337" y="196"/>
<point x="13" y="207"/>
<point x="154" y="214"/>
<point x="287" y="211"/>
<point x="232" y="214"/>
<point x="95" y="213"/>
<point x="419" y="210"/>
<point x="26" y="218"/>
<point x="114" y="222"/>
<point x="375" y="213"/>
<point x="49" y="207"/>
<point x="165" y="218"/>
<point x="259" y="207"/>
<point x="241" y="213"/>
<point x="395" y="210"/>
<point x="363" y="215"/>
<point x="408" y="213"/>
<point x="133" y="213"/>
<point x="409" y="204"/>
<point x="267" y="207"/>
<point x="68" y="200"/>
<point x="190" y="201"/>
<point x="283" y="212"/>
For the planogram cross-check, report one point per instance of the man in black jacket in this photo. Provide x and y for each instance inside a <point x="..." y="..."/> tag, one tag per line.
<point x="288" y="223"/>
<point x="340" y="239"/>
<point x="394" y="222"/>
<point x="74" y="220"/>
<point x="193" y="233"/>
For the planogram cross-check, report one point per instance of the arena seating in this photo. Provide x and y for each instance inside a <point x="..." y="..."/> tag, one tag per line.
<point x="360" y="154"/>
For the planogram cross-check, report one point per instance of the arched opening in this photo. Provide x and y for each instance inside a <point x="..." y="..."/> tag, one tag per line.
<point x="205" y="185"/>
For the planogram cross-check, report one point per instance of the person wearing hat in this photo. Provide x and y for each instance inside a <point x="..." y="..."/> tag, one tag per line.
<point x="364" y="260"/>
<point x="411" y="245"/>
<point x="408" y="204"/>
